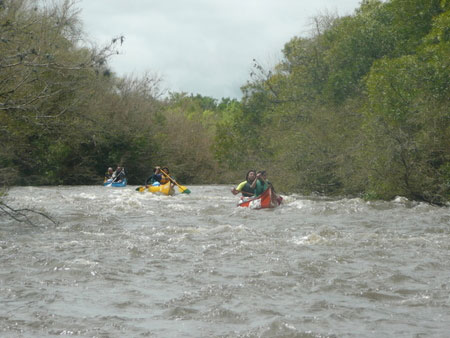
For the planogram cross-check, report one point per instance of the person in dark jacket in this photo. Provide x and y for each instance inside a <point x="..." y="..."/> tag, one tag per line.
<point x="156" y="177"/>
<point x="119" y="175"/>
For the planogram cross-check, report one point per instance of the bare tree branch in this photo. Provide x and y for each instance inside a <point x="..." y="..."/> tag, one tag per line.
<point x="20" y="214"/>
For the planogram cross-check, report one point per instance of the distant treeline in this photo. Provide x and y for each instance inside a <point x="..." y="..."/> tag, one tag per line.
<point x="360" y="107"/>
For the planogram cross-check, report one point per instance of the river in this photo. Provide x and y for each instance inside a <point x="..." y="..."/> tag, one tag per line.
<point x="119" y="263"/>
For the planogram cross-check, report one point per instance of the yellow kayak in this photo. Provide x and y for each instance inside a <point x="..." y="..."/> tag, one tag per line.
<point x="164" y="189"/>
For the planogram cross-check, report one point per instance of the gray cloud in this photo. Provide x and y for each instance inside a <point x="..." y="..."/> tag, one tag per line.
<point x="201" y="46"/>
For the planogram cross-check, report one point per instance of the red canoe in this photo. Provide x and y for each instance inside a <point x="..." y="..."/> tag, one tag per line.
<point x="268" y="199"/>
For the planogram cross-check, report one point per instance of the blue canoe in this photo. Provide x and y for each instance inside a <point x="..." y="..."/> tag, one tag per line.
<point x="110" y="183"/>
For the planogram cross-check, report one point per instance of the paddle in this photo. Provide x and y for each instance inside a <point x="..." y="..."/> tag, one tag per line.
<point x="118" y="176"/>
<point x="110" y="182"/>
<point x="183" y="189"/>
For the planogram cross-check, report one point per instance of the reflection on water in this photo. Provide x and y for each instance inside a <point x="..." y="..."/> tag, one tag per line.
<point x="123" y="263"/>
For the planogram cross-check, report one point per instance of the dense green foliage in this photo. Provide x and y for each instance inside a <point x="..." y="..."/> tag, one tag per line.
<point x="360" y="107"/>
<point x="65" y="116"/>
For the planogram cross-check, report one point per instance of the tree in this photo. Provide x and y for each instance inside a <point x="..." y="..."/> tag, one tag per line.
<point x="407" y="120"/>
<point x="43" y="79"/>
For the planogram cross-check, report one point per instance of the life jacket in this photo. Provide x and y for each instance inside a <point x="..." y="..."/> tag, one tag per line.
<point x="164" y="180"/>
<point x="261" y="187"/>
<point x="247" y="191"/>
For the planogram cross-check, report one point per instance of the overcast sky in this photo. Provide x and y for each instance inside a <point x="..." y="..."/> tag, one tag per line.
<point x="201" y="46"/>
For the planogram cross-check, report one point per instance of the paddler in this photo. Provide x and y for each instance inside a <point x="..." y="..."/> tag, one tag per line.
<point x="245" y="187"/>
<point x="260" y="184"/>
<point x="165" y="177"/>
<point x="155" y="178"/>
